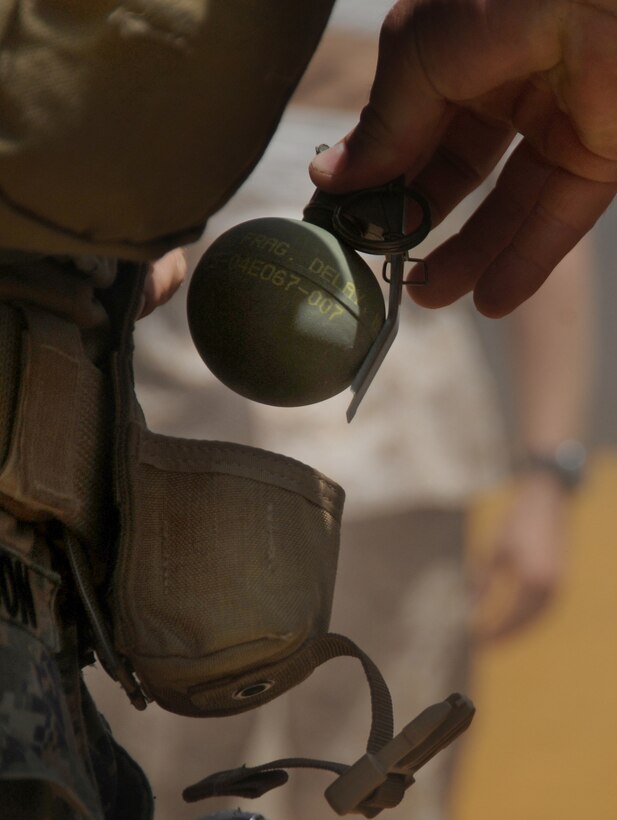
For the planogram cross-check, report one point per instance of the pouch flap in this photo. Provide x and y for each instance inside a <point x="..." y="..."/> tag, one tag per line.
<point x="227" y="562"/>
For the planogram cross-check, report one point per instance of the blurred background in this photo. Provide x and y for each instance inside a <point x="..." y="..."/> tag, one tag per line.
<point x="458" y="570"/>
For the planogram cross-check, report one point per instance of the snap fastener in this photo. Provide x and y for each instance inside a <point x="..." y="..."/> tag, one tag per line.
<point x="253" y="689"/>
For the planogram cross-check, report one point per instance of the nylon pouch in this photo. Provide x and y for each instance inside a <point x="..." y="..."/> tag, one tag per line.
<point x="226" y="568"/>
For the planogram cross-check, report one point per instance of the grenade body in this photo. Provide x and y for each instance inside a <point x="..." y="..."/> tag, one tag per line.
<point x="282" y="312"/>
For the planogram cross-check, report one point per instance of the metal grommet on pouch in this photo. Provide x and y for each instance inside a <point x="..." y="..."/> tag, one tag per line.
<point x="253" y="690"/>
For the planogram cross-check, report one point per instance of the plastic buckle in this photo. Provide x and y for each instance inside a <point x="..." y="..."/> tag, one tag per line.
<point x="379" y="780"/>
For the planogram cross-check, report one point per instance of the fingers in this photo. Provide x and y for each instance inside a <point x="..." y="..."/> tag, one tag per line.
<point x="469" y="150"/>
<point x="523" y="609"/>
<point x="525" y="566"/>
<point x="566" y="208"/>
<point x="522" y="230"/>
<point x="536" y="113"/>
<point x="506" y="601"/>
<point x="400" y="125"/>
<point x="432" y="55"/>
<point x="164" y="277"/>
<point x="456" y="267"/>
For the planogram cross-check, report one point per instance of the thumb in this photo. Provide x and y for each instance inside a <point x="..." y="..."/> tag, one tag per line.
<point x="373" y="153"/>
<point x="398" y="128"/>
<point x="433" y="57"/>
<point x="402" y="122"/>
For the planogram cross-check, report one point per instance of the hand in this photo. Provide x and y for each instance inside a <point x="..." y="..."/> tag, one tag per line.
<point x="163" y="279"/>
<point x="523" y="572"/>
<point x="455" y="80"/>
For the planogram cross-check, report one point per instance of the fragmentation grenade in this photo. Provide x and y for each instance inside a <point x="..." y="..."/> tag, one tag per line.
<point x="285" y="311"/>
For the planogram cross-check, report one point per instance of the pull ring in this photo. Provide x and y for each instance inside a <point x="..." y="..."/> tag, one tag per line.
<point x="389" y="205"/>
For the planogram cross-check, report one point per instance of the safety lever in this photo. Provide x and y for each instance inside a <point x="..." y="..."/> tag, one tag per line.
<point x="374" y="221"/>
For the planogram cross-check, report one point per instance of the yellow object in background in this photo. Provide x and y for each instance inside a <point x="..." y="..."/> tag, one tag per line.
<point x="542" y="745"/>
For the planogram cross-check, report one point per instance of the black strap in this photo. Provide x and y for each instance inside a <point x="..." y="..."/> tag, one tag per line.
<point x="253" y="781"/>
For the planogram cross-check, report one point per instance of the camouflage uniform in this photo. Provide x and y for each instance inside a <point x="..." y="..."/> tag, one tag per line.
<point x="50" y="732"/>
<point x="57" y="756"/>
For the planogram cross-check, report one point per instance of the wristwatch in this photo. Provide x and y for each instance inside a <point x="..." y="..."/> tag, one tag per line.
<point x="566" y="463"/>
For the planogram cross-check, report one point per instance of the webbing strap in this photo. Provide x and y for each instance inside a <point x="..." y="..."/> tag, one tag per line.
<point x="376" y="781"/>
<point x="54" y="462"/>
<point x="330" y="646"/>
<point x="253" y="781"/>
<point x="250" y="782"/>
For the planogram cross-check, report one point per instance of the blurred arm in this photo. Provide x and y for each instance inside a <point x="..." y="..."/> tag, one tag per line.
<point x="552" y="347"/>
<point x="552" y="351"/>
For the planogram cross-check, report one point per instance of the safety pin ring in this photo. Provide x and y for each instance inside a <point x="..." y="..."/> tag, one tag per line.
<point x="398" y="243"/>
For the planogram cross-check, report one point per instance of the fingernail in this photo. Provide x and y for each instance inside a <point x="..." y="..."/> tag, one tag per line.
<point x="332" y="161"/>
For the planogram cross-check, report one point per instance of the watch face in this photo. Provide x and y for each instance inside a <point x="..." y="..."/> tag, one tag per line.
<point x="566" y="463"/>
<point x="571" y="455"/>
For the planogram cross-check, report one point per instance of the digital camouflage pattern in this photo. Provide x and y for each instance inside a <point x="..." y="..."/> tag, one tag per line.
<point x="57" y="757"/>
<point x="58" y="760"/>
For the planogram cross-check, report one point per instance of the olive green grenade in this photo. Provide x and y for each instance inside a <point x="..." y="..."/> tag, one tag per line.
<point x="282" y="312"/>
<point x="285" y="312"/>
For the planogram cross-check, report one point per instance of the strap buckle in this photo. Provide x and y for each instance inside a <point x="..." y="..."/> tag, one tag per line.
<point x="378" y="780"/>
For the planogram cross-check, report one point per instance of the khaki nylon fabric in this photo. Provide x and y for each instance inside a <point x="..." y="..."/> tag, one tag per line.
<point x="54" y="423"/>
<point x="124" y="125"/>
<point x="227" y="564"/>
